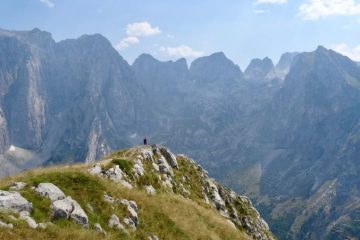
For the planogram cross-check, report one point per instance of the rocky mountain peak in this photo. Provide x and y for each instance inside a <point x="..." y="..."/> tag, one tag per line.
<point x="215" y="68"/>
<point x="258" y="69"/>
<point x="285" y="61"/>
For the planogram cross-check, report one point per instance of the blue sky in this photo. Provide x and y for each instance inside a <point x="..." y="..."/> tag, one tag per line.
<point x="170" y="29"/>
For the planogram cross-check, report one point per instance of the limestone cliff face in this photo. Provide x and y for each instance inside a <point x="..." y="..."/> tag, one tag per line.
<point x="70" y="99"/>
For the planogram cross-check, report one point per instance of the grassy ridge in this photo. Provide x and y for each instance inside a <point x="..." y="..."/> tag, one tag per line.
<point x="166" y="215"/>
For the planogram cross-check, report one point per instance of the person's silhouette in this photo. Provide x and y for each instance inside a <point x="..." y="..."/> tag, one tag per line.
<point x="145" y="141"/>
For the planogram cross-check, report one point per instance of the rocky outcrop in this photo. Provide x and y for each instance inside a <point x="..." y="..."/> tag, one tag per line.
<point x="25" y="216"/>
<point x="50" y="191"/>
<point x="17" y="186"/>
<point x="98" y="228"/>
<point x="150" y="190"/>
<point x="132" y="218"/>
<point x="163" y="167"/>
<point x="69" y="209"/>
<point x="114" y="222"/>
<point x="14" y="201"/>
<point x="169" y="156"/>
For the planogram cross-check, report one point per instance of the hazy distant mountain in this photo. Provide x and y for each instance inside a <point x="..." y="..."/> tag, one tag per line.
<point x="287" y="135"/>
<point x="66" y="101"/>
<point x="259" y="69"/>
<point x="300" y="153"/>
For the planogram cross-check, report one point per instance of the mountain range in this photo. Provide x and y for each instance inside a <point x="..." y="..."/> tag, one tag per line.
<point x="286" y="134"/>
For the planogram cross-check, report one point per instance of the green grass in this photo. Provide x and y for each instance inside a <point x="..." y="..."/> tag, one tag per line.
<point x="124" y="165"/>
<point x="166" y="215"/>
<point x="41" y="205"/>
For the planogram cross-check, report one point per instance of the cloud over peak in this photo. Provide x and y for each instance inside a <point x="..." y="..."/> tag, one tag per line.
<point x="126" y="42"/>
<point x="134" y="32"/>
<point x="344" y="49"/>
<point x="181" y="51"/>
<point x="141" y="29"/>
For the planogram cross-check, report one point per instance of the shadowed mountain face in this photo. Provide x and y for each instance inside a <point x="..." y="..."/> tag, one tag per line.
<point x="287" y="135"/>
<point x="66" y="100"/>
<point x="300" y="151"/>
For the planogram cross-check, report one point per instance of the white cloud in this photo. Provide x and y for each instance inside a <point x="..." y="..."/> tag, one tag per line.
<point x="271" y="1"/>
<point x="344" y="49"/>
<point x="48" y="3"/>
<point x="315" y="9"/>
<point x="261" y="11"/>
<point x="126" y="42"/>
<point x="182" y="51"/>
<point x="134" y="32"/>
<point x="141" y="29"/>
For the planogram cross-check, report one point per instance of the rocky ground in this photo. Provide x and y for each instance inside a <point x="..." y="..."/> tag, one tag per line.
<point x="140" y="193"/>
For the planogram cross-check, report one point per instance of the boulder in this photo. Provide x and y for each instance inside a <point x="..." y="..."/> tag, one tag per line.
<point x="147" y="154"/>
<point x="96" y="169"/>
<point x="216" y="199"/>
<point x="169" y="156"/>
<point x="138" y="168"/>
<point x="14" y="201"/>
<point x="164" y="167"/>
<point x="114" y="222"/>
<point x="17" y="186"/>
<point x="115" y="174"/>
<point x="108" y="199"/>
<point x="150" y="190"/>
<point x="156" y="167"/>
<point x="68" y="208"/>
<point x="132" y="208"/>
<point x="50" y="191"/>
<point x="99" y="229"/>
<point x="29" y="220"/>
<point x="128" y="221"/>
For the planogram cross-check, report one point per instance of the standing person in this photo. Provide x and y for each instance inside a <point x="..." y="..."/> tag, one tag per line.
<point x="145" y="141"/>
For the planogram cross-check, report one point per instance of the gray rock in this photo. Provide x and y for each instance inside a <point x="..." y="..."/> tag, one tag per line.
<point x="51" y="191"/>
<point x="138" y="168"/>
<point x="108" y="199"/>
<point x="150" y="190"/>
<point x="132" y="212"/>
<point x="14" y="201"/>
<point x="115" y="174"/>
<point x="169" y="156"/>
<point x="17" y="186"/>
<point x="69" y="208"/>
<point x="164" y="166"/>
<point x="156" y="167"/>
<point x="114" y="222"/>
<point x="29" y="220"/>
<point x="96" y="169"/>
<point x="147" y="154"/>
<point x="216" y="199"/>
<point x="129" y="221"/>
<point x="98" y="228"/>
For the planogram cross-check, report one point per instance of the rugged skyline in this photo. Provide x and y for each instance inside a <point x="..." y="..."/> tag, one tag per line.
<point x="285" y="134"/>
<point x="171" y="30"/>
